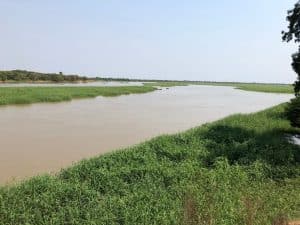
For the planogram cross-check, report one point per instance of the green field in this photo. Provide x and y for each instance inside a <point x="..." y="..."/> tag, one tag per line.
<point x="239" y="170"/>
<point x="27" y="95"/>
<point x="271" y="88"/>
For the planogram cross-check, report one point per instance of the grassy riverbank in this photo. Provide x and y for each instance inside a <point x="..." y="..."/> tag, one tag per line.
<point x="27" y="95"/>
<point x="270" y="88"/>
<point x="239" y="170"/>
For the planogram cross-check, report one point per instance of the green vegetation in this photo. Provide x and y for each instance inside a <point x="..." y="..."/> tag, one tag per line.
<point x="293" y="33"/>
<point x="27" y="95"/>
<point x="29" y="76"/>
<point x="293" y="112"/>
<point x="271" y="88"/>
<point x="239" y="170"/>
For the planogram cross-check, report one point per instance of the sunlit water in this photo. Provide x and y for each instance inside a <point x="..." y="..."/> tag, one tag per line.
<point x="42" y="138"/>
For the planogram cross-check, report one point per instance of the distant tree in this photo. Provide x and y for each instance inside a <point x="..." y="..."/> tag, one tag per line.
<point x="71" y="78"/>
<point x="293" y="33"/>
<point x="57" y="78"/>
<point x="3" y="77"/>
<point x="33" y="76"/>
<point x="23" y="75"/>
<point x="18" y="76"/>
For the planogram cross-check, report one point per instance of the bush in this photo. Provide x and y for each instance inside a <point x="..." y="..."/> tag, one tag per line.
<point x="293" y="112"/>
<point x="3" y="77"/>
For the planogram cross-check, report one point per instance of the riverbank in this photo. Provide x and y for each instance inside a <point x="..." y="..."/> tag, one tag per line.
<point x="28" y="95"/>
<point x="239" y="170"/>
<point x="258" y="87"/>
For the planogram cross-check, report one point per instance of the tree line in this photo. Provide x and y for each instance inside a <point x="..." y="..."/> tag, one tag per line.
<point x="23" y="75"/>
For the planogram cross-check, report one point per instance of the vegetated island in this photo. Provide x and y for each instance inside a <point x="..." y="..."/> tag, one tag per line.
<point x="27" y="95"/>
<point x="238" y="170"/>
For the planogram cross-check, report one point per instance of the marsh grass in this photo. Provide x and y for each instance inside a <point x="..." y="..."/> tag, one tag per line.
<point x="239" y="170"/>
<point x="27" y="95"/>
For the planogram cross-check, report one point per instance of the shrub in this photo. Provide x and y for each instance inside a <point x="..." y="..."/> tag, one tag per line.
<point x="3" y="77"/>
<point x="293" y="112"/>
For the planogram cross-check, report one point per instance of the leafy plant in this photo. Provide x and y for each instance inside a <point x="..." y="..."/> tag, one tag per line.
<point x="293" y="112"/>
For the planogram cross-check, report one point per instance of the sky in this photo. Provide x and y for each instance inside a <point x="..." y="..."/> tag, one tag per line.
<point x="223" y="40"/>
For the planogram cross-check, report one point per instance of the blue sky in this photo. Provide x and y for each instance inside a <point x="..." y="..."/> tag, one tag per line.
<point x="224" y="40"/>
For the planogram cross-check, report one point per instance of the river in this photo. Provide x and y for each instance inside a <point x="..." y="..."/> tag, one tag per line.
<point x="42" y="138"/>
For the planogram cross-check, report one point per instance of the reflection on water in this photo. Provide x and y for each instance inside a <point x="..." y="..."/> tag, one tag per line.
<point x="41" y="138"/>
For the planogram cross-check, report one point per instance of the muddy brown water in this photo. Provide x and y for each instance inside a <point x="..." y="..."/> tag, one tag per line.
<point x="43" y="138"/>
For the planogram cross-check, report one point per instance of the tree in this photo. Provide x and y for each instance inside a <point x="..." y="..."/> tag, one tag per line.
<point x="57" y="78"/>
<point x="293" y="112"/>
<point x="293" y="33"/>
<point x="3" y="77"/>
<point x="33" y="76"/>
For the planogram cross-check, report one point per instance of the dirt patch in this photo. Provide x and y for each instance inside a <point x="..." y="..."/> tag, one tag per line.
<point x="294" y="222"/>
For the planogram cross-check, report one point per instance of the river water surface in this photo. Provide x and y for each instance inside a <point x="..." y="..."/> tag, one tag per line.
<point x="42" y="138"/>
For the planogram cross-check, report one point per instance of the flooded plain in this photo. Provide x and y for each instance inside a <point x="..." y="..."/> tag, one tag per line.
<point x="42" y="138"/>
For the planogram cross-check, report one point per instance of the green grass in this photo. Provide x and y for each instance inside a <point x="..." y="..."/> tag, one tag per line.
<point x="27" y="95"/>
<point x="239" y="170"/>
<point x="271" y="88"/>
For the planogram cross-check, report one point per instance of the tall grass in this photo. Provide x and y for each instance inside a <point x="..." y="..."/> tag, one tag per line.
<point x="239" y="170"/>
<point x="271" y="88"/>
<point x="26" y="95"/>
